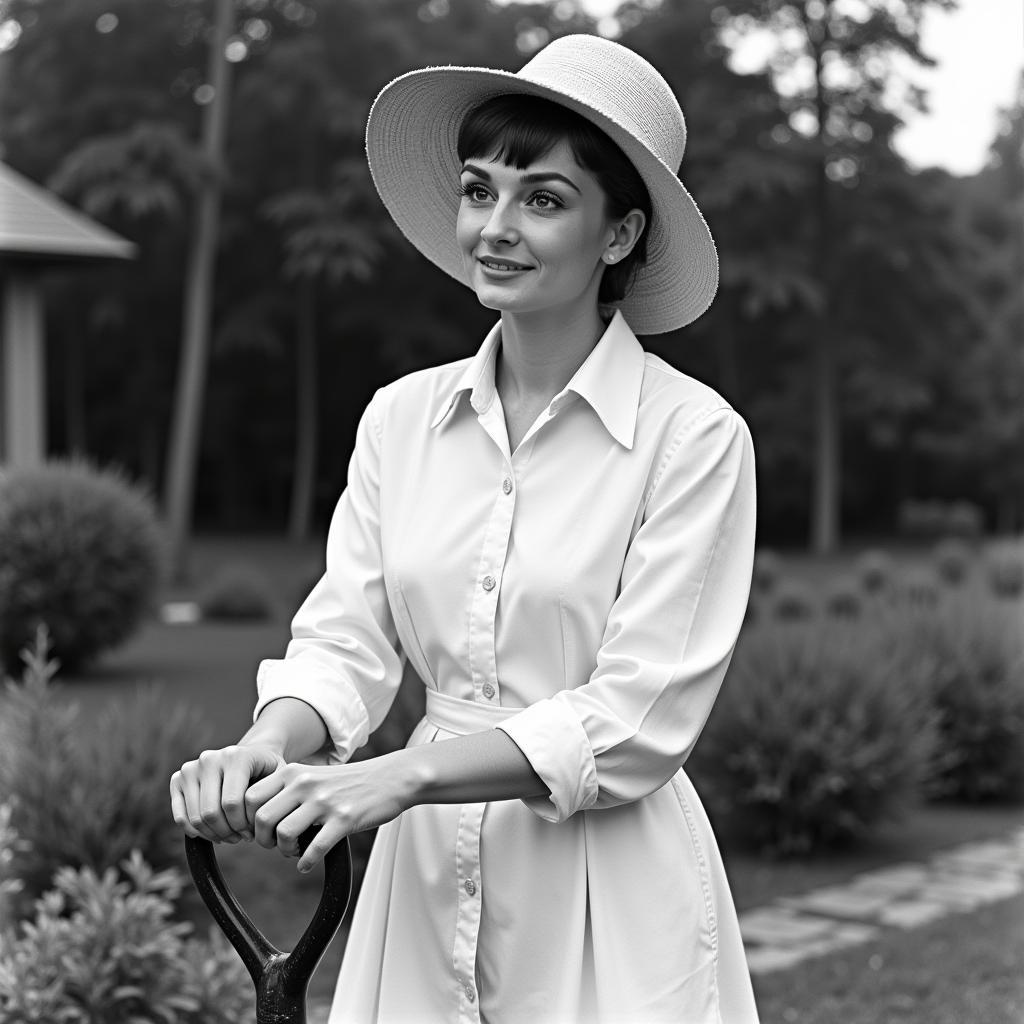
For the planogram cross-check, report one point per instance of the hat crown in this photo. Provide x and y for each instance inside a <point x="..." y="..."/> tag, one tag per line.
<point x="615" y="82"/>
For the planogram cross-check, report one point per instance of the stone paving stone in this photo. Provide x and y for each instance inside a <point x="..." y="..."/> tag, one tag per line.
<point x="970" y="890"/>
<point x="775" y="926"/>
<point x="765" y="959"/>
<point x="843" y="936"/>
<point x="989" y="855"/>
<point x="912" y="913"/>
<point x="842" y="901"/>
<point x="895" y="881"/>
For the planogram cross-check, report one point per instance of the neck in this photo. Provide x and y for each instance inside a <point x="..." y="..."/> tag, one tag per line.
<point x="540" y="353"/>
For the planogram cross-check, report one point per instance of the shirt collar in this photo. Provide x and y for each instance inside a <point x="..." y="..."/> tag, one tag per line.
<point x="609" y="380"/>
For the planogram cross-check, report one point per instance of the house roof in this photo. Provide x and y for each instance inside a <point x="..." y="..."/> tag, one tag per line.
<point x="37" y="225"/>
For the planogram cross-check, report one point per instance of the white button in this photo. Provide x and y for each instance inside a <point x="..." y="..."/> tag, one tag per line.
<point x="470" y="994"/>
<point x="488" y="583"/>
<point x="506" y="485"/>
<point x="488" y="690"/>
<point x="470" y="887"/>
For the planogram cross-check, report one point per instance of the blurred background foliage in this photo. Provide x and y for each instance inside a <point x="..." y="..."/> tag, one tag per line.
<point x="869" y="320"/>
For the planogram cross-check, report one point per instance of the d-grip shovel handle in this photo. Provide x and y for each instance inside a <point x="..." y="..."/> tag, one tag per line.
<point x="280" y="978"/>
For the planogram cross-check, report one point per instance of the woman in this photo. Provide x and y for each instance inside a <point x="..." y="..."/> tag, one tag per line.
<point x="558" y="534"/>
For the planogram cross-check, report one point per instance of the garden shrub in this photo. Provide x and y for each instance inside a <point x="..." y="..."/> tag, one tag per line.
<point x="819" y="733"/>
<point x="104" y="950"/>
<point x="86" y="792"/>
<point x="793" y="602"/>
<point x="82" y="551"/>
<point x="237" y="593"/>
<point x="1006" y="572"/>
<point x="919" y="588"/>
<point x="11" y="844"/>
<point x="844" y="599"/>
<point x="875" y="571"/>
<point x="971" y="655"/>
<point x="953" y="558"/>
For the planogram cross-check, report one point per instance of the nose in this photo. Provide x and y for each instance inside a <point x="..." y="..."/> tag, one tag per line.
<point x="501" y="225"/>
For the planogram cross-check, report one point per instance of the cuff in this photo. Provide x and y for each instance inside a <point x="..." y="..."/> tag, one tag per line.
<point x="333" y="698"/>
<point x="556" y="745"/>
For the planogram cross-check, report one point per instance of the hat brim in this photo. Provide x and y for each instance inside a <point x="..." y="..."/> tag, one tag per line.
<point x="411" y="138"/>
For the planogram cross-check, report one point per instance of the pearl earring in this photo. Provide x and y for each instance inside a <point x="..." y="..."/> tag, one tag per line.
<point x="610" y="257"/>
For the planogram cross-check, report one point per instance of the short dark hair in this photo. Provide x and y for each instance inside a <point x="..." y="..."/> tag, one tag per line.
<point x="518" y="130"/>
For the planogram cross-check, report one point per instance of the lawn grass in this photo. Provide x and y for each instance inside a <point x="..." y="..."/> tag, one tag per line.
<point x="963" y="969"/>
<point x="212" y="667"/>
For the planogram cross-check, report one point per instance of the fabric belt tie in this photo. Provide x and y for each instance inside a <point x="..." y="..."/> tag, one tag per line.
<point x="452" y="714"/>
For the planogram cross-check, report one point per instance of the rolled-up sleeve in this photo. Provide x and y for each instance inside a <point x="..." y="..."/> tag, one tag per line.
<point x="669" y="636"/>
<point x="343" y="658"/>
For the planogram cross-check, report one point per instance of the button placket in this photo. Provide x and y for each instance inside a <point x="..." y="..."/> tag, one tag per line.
<point x="467" y="922"/>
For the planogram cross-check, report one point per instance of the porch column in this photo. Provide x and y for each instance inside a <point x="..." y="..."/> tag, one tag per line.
<point x="22" y="374"/>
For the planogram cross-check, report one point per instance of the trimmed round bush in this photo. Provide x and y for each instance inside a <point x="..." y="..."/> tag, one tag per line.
<point x="819" y="733"/>
<point x="875" y="571"/>
<point x="81" y="550"/>
<point x="952" y="558"/>
<point x="237" y="593"/>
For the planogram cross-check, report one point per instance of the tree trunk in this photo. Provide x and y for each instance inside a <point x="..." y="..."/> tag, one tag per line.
<point x="306" y="412"/>
<point x="188" y="405"/>
<point x="825" y="476"/>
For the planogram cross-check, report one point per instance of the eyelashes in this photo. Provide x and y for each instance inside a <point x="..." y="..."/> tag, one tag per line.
<point x="551" y="201"/>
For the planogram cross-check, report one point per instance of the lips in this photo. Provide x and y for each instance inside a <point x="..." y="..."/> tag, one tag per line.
<point x="498" y="263"/>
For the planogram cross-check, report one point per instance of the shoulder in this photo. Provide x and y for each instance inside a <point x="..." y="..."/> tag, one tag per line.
<point x="673" y="403"/>
<point x="417" y="396"/>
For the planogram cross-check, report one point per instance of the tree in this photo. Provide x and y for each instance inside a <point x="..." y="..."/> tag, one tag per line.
<point x="833" y="64"/>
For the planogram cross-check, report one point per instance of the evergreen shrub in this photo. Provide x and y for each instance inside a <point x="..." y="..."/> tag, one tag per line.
<point x="88" y="792"/>
<point x="80" y="550"/>
<point x="971" y="654"/>
<point x="237" y="593"/>
<point x="844" y="599"/>
<point x="104" y="950"/>
<point x="819" y="732"/>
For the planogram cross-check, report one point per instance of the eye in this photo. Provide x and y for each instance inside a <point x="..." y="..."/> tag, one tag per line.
<point x="473" y="191"/>
<point x="546" y="201"/>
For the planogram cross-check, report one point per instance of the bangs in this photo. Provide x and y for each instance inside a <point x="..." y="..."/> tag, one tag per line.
<point x="519" y="130"/>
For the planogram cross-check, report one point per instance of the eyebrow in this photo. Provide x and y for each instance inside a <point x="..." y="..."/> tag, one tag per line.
<point x="537" y="176"/>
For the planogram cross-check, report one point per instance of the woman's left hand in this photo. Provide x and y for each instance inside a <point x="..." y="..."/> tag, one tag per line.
<point x="341" y="799"/>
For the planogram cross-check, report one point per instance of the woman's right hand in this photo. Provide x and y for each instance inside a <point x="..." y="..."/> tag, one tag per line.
<point x="208" y="794"/>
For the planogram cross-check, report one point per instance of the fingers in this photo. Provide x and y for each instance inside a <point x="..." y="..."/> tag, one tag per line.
<point x="267" y="802"/>
<point x="232" y="799"/>
<point x="321" y="844"/>
<point x="178" y="811"/>
<point x="207" y="795"/>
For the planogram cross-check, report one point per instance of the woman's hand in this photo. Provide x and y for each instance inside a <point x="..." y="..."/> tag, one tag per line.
<point x="340" y="798"/>
<point x="208" y="794"/>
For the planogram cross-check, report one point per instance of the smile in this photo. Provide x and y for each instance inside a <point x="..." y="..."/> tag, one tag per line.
<point x="503" y="266"/>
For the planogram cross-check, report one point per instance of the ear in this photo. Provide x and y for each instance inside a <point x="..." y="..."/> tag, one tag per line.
<point x="625" y="233"/>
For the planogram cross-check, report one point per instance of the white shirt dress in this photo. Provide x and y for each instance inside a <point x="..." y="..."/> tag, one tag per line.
<point x="584" y="594"/>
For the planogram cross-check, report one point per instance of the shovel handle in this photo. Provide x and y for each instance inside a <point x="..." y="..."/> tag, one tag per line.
<point x="280" y="978"/>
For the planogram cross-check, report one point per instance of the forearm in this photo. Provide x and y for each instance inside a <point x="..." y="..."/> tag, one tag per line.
<point x="477" y="768"/>
<point x="290" y="726"/>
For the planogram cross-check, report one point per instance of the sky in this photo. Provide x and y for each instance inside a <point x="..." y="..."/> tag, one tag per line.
<point x="980" y="50"/>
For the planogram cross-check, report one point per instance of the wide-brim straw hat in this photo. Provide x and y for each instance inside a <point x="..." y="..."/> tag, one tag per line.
<point x="413" y="129"/>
